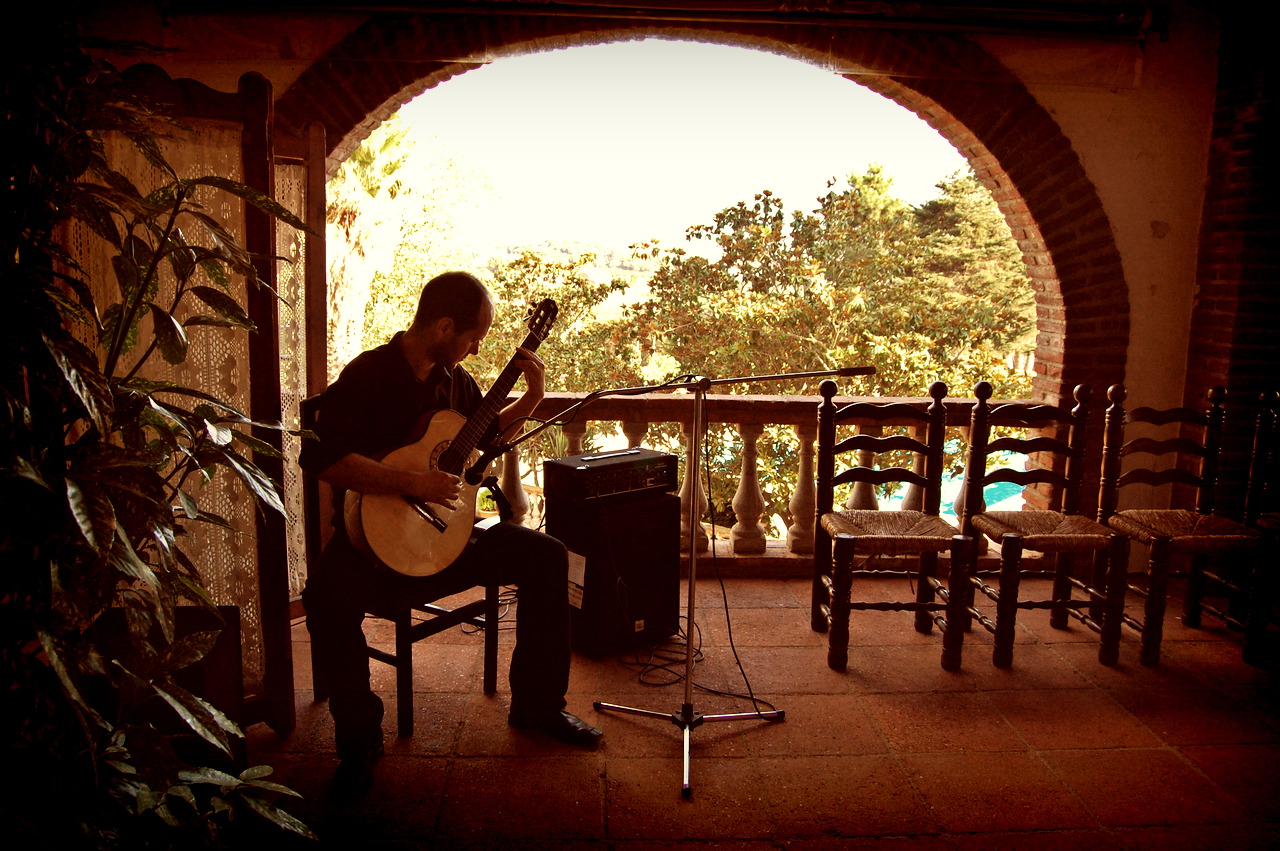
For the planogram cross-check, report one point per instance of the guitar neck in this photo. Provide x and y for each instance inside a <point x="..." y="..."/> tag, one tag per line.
<point x="454" y="459"/>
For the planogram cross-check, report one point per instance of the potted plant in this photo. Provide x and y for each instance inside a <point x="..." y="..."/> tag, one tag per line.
<point x="101" y="468"/>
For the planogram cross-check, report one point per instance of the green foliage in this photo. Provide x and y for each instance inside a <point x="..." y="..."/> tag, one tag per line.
<point x="923" y="294"/>
<point x="580" y="351"/>
<point x="101" y="468"/>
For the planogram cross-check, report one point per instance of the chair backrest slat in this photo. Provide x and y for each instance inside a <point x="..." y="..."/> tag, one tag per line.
<point x="931" y="420"/>
<point x="1167" y="446"/>
<point x="1055" y="460"/>
<point x="878" y="445"/>
<point x="879" y="476"/>
<point x="1198" y="442"/>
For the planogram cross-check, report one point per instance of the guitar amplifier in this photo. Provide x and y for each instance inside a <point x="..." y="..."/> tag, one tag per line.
<point x="606" y="474"/>
<point x="614" y="513"/>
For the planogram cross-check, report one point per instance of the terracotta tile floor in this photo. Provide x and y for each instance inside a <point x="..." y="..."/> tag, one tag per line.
<point x="1058" y="752"/>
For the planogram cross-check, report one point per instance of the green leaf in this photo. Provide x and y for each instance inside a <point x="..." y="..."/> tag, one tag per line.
<point x="278" y="816"/>
<point x="182" y="257"/>
<point x="215" y="321"/>
<point x="213" y="268"/>
<point x="128" y="276"/>
<point x="150" y="387"/>
<point x="189" y="649"/>
<point x="26" y="470"/>
<point x="204" y="774"/>
<point x="224" y="304"/>
<point x="221" y="435"/>
<point x="259" y="446"/>
<point x="199" y="716"/>
<point x="189" y="507"/>
<point x="257" y="481"/>
<point x="170" y="336"/>
<point x="126" y="560"/>
<point x="254" y="197"/>
<point x="94" y="514"/>
<point x="80" y="368"/>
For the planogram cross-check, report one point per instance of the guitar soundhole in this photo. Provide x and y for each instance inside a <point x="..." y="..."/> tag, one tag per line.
<point x="438" y="452"/>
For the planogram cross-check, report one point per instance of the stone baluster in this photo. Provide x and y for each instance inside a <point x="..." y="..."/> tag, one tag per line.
<point x="573" y="433"/>
<point x="512" y="487"/>
<point x="635" y="431"/>
<point x="804" y="502"/>
<point x="747" y="536"/>
<point x="862" y="496"/>
<point x="692" y="496"/>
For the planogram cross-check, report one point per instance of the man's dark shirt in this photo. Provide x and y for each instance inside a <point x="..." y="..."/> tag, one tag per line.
<point x="377" y="405"/>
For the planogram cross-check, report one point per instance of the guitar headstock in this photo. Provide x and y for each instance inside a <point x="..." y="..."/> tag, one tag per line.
<point x="542" y="317"/>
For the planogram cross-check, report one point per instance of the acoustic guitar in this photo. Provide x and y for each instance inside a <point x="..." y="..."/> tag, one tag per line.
<point x="419" y="538"/>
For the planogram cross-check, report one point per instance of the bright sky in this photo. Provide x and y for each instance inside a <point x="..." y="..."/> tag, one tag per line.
<point x="623" y="142"/>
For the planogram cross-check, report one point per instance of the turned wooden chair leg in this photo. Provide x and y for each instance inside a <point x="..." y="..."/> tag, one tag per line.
<point x="404" y="673"/>
<point x="1007" y="604"/>
<point x="1116" y="584"/>
<point x="820" y="594"/>
<point x="1196" y="583"/>
<point x="963" y="555"/>
<point x="1064" y="563"/>
<point x="1153" y="614"/>
<point x="841" y="591"/>
<point x="924" y="592"/>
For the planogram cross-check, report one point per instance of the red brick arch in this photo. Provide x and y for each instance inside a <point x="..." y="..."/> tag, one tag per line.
<point x="1013" y="144"/>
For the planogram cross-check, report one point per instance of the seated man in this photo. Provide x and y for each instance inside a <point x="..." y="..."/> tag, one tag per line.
<point x="375" y="405"/>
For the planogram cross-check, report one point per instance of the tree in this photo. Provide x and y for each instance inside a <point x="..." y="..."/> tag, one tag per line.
<point x="581" y="351"/>
<point x="921" y="294"/>
<point x="363" y="230"/>
<point x="427" y="242"/>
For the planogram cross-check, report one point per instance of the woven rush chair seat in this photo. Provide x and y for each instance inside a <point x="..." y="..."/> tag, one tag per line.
<point x="892" y="533"/>
<point x="1051" y="440"/>
<point x="843" y="535"/>
<point x="1186" y="531"/>
<point x="1045" y="531"/>
<point x="1198" y="534"/>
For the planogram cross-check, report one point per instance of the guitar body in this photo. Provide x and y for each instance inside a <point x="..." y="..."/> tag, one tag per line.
<point x="394" y="530"/>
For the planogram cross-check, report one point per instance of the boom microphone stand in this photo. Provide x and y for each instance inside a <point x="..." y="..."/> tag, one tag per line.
<point x="687" y="718"/>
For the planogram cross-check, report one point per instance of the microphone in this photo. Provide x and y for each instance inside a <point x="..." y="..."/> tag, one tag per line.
<point x="851" y="371"/>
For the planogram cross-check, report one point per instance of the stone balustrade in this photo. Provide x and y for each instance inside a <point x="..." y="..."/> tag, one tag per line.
<point x="750" y="414"/>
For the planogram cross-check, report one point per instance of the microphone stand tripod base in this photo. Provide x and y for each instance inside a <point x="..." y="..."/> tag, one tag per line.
<point x="687" y="719"/>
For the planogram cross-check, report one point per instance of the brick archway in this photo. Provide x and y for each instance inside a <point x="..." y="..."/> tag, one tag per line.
<point x="1013" y="144"/>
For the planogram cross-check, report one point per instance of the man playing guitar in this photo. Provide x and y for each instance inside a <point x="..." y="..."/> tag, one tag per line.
<point x="378" y="404"/>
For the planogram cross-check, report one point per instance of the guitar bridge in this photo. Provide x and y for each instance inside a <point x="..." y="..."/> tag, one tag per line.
<point x="424" y="511"/>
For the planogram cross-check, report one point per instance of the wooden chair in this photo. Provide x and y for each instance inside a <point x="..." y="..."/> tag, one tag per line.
<point x="413" y="620"/>
<point x="842" y="535"/>
<point x="1194" y="534"/>
<point x="1052" y="442"/>
<point x="1262" y="503"/>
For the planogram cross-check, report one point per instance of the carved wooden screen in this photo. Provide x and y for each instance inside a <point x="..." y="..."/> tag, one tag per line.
<point x="291" y="277"/>
<point x="243" y="567"/>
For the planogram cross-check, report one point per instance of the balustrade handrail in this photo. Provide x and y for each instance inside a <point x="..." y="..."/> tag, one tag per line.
<point x="750" y="413"/>
<point x="733" y="407"/>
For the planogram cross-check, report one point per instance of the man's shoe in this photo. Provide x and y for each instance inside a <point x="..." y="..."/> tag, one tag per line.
<point x="354" y="776"/>
<point x="560" y="725"/>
